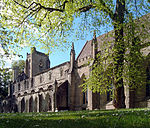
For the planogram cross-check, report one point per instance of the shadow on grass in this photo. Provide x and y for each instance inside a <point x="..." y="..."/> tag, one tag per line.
<point x="80" y="119"/>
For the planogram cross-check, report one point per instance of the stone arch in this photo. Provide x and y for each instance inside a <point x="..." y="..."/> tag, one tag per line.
<point x="35" y="104"/>
<point x="62" y="96"/>
<point x="48" y="106"/>
<point x="31" y="104"/>
<point x="27" y="105"/>
<point x="23" y="105"/>
<point x="41" y="103"/>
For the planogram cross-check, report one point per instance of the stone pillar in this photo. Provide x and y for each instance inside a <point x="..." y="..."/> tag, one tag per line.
<point x="127" y="93"/>
<point x="37" y="103"/>
<point x="19" y="106"/>
<point x="27" y="105"/>
<point x="52" y="103"/>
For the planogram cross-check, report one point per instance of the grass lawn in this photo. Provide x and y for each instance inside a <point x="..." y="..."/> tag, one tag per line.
<point x="125" y="118"/>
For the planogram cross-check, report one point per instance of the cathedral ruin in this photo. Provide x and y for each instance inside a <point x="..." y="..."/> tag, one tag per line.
<point x="41" y="88"/>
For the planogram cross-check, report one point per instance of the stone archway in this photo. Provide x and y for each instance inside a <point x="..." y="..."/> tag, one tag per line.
<point x="35" y="104"/>
<point x="31" y="104"/>
<point x="62" y="96"/>
<point x="48" y="106"/>
<point x="41" y="103"/>
<point x="23" y="105"/>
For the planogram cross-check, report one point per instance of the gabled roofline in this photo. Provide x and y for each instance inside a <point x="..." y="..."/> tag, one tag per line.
<point x="82" y="49"/>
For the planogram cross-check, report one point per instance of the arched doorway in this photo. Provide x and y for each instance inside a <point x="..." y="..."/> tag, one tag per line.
<point x="35" y="104"/>
<point x="31" y="104"/>
<point x="62" y="96"/>
<point x="48" y="102"/>
<point x="23" y="105"/>
<point x="40" y="103"/>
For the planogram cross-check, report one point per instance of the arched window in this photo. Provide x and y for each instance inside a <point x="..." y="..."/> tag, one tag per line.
<point x="19" y="87"/>
<point x="50" y="75"/>
<point x="41" y="79"/>
<point x="61" y="72"/>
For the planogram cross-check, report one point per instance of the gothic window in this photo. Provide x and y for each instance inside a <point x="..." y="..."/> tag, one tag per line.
<point x="85" y="97"/>
<point x="41" y="64"/>
<point x="25" y="85"/>
<point x="41" y="79"/>
<point x="61" y="72"/>
<point x="19" y="87"/>
<point x="32" y="82"/>
<point x="50" y="75"/>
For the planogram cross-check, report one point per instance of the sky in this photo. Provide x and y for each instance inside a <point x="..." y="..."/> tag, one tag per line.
<point x="56" y="57"/>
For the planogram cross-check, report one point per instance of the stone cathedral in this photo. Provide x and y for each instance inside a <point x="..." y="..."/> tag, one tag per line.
<point x="42" y="89"/>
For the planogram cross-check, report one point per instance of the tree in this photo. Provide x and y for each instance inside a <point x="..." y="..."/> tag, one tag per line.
<point x="5" y="79"/>
<point x="54" y="19"/>
<point x="20" y="64"/>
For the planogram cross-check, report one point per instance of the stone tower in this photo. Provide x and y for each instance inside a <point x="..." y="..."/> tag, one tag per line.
<point x="36" y="62"/>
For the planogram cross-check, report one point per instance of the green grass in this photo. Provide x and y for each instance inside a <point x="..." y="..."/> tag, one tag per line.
<point x="125" y="118"/>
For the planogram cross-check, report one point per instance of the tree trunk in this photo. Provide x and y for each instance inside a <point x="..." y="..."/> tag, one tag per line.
<point x="119" y="51"/>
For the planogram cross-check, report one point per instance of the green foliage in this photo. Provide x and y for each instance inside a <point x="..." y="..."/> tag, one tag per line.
<point x="5" y="79"/>
<point x="101" y="78"/>
<point x="20" y="64"/>
<point x="128" y="118"/>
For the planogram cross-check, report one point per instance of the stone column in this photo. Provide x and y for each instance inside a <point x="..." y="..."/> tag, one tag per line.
<point x="53" y="102"/>
<point x="27" y="105"/>
<point x="19" y="105"/>
<point x="37" y="103"/>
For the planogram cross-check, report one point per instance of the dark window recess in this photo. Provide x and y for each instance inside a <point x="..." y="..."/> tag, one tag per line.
<point x="19" y="87"/>
<point x="32" y="82"/>
<point x="147" y="82"/>
<point x="84" y="97"/>
<point x="25" y="84"/>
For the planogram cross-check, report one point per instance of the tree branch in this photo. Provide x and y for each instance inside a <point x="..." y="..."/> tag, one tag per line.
<point x="86" y="8"/>
<point x="42" y="7"/>
<point x="91" y="6"/>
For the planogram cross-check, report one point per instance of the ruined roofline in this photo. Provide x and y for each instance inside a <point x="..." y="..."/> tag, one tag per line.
<point x="53" y="68"/>
<point x="104" y="36"/>
<point x="33" y="49"/>
<point x="40" y="53"/>
<point x="88" y="41"/>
